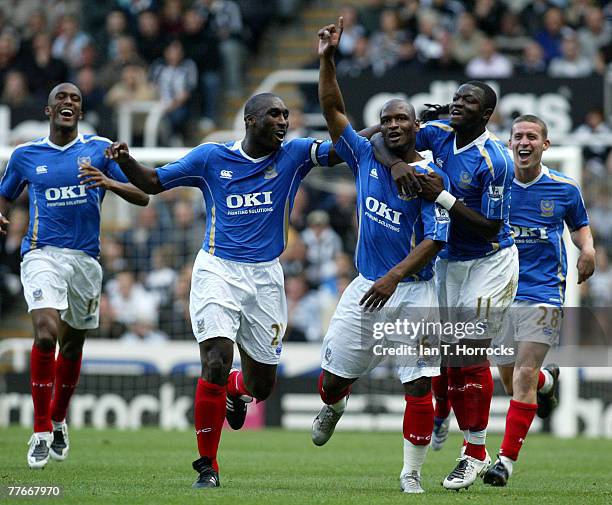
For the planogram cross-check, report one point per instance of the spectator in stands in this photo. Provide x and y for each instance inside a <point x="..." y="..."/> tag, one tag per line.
<point x="353" y="31"/>
<point x="202" y="46"/>
<point x="42" y="70"/>
<point x="186" y="234"/>
<point x="600" y="285"/>
<point x="300" y="209"/>
<point x="448" y="11"/>
<point x="293" y="259"/>
<point x="15" y="94"/>
<point x="227" y="26"/>
<point x="409" y="15"/>
<point x="304" y="309"/>
<point x="160" y="280"/>
<point x="551" y="36"/>
<point x="174" y="317"/>
<point x="116" y="26"/>
<point x="128" y="297"/>
<point x="108" y="327"/>
<point x="172" y="18"/>
<point x="490" y="64"/>
<point x="596" y="34"/>
<point x="126" y="55"/>
<point x="511" y="39"/>
<point x="342" y="216"/>
<point x="175" y="77"/>
<point x="8" y="54"/>
<point x="10" y="244"/>
<point x="600" y="210"/>
<point x="489" y="14"/>
<point x="35" y="24"/>
<point x="427" y="42"/>
<point x="532" y="15"/>
<point x="113" y="257"/>
<point x="133" y="87"/>
<point x="70" y="44"/>
<point x="571" y="64"/>
<point x="360" y="60"/>
<point x="446" y="62"/>
<point x="386" y="44"/>
<point x="369" y="15"/>
<point x="467" y="40"/>
<point x="151" y="41"/>
<point x="322" y="245"/>
<point x="141" y="239"/>
<point x="594" y="123"/>
<point x="532" y="62"/>
<point x="142" y="329"/>
<point x="256" y="18"/>
<point x="93" y="98"/>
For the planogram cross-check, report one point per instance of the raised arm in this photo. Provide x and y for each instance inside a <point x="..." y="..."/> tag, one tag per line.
<point x="583" y="239"/>
<point x="330" y="96"/>
<point x="142" y="177"/>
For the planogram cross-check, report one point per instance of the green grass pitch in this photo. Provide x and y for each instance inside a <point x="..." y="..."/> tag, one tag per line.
<point x="269" y="467"/>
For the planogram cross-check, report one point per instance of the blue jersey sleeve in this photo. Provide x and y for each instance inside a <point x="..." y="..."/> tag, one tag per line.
<point x="308" y="153"/>
<point x="495" y="202"/>
<point x="424" y="137"/>
<point x="187" y="171"/>
<point x="114" y="172"/>
<point x="351" y="148"/>
<point x="576" y="215"/>
<point x="436" y="219"/>
<point x="12" y="182"/>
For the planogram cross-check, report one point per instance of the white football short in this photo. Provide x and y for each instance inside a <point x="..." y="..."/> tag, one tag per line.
<point x="357" y="342"/>
<point x="477" y="291"/>
<point x="244" y="302"/>
<point x="528" y="321"/>
<point x="64" y="279"/>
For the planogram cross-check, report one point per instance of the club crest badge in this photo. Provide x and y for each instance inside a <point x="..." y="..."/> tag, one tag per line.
<point x="84" y="161"/>
<point x="547" y="207"/>
<point x="270" y="172"/>
<point x="465" y="179"/>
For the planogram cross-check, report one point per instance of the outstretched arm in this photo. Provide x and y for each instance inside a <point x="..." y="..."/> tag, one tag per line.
<point x="142" y="177"/>
<point x="432" y="189"/>
<point x="334" y="158"/>
<point x="330" y="96"/>
<point x="383" y="288"/>
<point x="583" y="239"/>
<point x="92" y="178"/>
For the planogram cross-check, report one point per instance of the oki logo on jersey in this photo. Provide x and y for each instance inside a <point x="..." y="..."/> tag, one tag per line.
<point x="383" y="210"/>
<point x="65" y="193"/>
<point x="249" y="200"/>
<point x="524" y="232"/>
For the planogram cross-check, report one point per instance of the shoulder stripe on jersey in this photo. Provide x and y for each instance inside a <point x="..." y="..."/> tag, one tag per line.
<point x="97" y="137"/>
<point x="442" y="126"/>
<point x="557" y="178"/>
<point x="31" y="143"/>
<point x="314" y="149"/>
<point x="487" y="158"/>
<point x="213" y="220"/>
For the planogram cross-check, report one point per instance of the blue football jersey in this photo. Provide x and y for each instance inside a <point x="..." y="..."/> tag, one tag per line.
<point x="390" y="225"/>
<point x="537" y="214"/>
<point x="62" y="212"/>
<point x="248" y="201"/>
<point x="480" y="175"/>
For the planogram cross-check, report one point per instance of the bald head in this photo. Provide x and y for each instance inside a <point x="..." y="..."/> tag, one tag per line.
<point x="66" y="87"/>
<point x="397" y="105"/>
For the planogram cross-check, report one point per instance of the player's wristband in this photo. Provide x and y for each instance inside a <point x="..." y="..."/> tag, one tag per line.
<point x="446" y="200"/>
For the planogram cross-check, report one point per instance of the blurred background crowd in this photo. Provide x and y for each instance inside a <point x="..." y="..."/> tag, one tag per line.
<point x="191" y="57"/>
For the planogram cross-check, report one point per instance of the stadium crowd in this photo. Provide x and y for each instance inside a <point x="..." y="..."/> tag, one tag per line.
<point x="186" y="53"/>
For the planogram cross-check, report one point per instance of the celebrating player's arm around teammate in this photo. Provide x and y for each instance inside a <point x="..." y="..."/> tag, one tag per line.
<point x="67" y="175"/>
<point x="477" y="273"/>
<point x="237" y="287"/>
<point x="542" y="201"/>
<point x="398" y="239"/>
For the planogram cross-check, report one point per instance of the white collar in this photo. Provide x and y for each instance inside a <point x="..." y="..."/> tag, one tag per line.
<point x="78" y="138"/>
<point x="478" y="140"/>
<point x="543" y="172"/>
<point x="237" y="146"/>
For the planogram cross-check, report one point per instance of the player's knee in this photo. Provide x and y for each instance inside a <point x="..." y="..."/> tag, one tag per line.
<point x="418" y="387"/>
<point x="333" y="385"/>
<point x="261" y="389"/>
<point x="525" y="380"/>
<point x="215" y="368"/>
<point x="45" y="333"/>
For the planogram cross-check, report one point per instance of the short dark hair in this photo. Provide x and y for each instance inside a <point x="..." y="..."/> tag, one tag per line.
<point x="490" y="98"/>
<point x="256" y="103"/>
<point x="530" y="118"/>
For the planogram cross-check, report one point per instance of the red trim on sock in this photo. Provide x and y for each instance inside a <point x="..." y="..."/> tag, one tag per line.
<point x="541" y="379"/>
<point x="439" y="387"/>
<point x="418" y="419"/>
<point x="331" y="399"/>
<point x="67" y="373"/>
<point x="235" y="384"/>
<point x="42" y="376"/>
<point x="518" y="420"/>
<point x="476" y="451"/>
<point x="208" y="416"/>
<point x="478" y="394"/>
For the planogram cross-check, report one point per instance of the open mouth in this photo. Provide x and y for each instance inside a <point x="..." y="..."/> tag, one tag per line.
<point x="394" y="135"/>
<point x="523" y="155"/>
<point x="456" y="113"/>
<point x="280" y="135"/>
<point x="67" y="113"/>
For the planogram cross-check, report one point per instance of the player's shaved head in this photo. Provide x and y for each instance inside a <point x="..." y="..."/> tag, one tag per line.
<point x="398" y="103"/>
<point x="530" y="118"/>
<point x="64" y="86"/>
<point x="490" y="98"/>
<point x="258" y="104"/>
